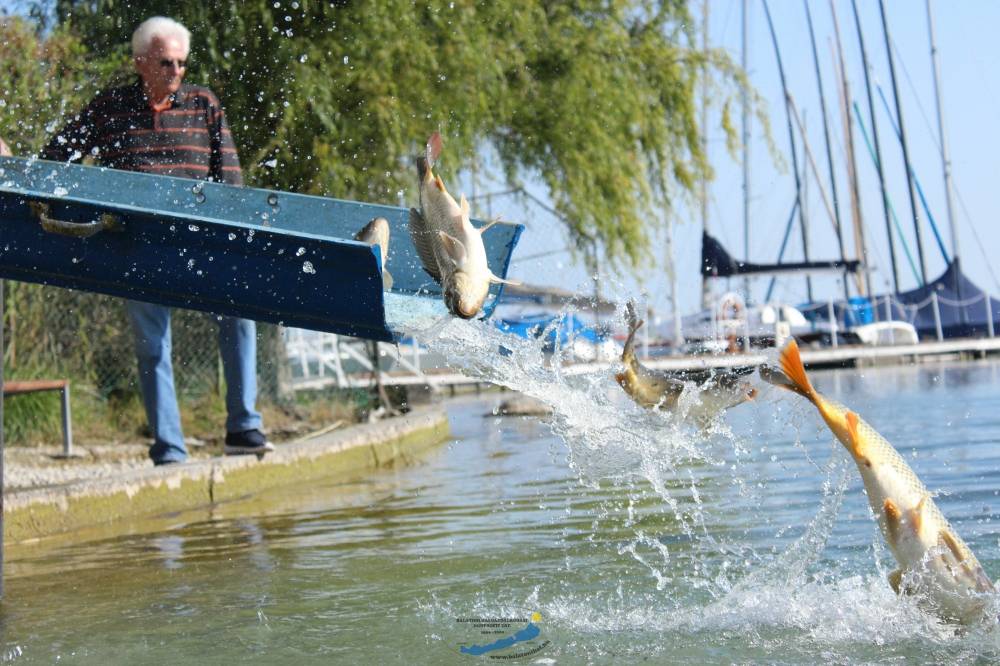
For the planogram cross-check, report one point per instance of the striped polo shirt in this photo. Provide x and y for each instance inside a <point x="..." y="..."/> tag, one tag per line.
<point x="120" y="130"/>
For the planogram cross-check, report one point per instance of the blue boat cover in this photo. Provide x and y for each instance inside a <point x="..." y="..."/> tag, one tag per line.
<point x="963" y="307"/>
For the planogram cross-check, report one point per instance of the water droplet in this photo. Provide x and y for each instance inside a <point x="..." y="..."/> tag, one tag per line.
<point x="60" y="191"/>
<point x="232" y="236"/>
<point x="194" y="227"/>
<point x="272" y="199"/>
<point x="307" y="267"/>
<point x="299" y="252"/>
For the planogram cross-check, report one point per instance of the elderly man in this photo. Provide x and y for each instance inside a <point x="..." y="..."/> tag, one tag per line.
<point x="160" y="125"/>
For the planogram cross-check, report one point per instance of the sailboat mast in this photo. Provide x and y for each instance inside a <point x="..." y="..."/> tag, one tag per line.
<point x="878" y="148"/>
<point x="829" y="151"/>
<point x="706" y="292"/>
<point x="902" y="141"/>
<point x="945" y="159"/>
<point x="860" y="244"/>
<point x="791" y="141"/>
<point x="745" y="98"/>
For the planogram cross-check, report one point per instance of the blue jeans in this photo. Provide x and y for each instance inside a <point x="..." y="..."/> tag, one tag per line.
<point x="238" y="347"/>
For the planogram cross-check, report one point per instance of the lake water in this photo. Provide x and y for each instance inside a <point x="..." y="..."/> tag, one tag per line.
<point x="635" y="540"/>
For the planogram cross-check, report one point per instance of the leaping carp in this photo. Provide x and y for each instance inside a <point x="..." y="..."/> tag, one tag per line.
<point x="934" y="562"/>
<point x="658" y="389"/>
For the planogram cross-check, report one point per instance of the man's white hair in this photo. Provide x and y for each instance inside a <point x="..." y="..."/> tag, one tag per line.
<point x="162" y="27"/>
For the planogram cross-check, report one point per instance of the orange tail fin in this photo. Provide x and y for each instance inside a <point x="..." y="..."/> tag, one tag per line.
<point x="791" y="365"/>
<point x="434" y="145"/>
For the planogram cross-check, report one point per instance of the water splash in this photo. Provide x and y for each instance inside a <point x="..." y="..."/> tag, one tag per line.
<point x="707" y="574"/>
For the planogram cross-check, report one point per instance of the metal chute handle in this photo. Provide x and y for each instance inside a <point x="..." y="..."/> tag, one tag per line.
<point x="106" y="222"/>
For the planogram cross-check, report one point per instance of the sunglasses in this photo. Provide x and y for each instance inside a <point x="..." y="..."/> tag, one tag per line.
<point x="181" y="64"/>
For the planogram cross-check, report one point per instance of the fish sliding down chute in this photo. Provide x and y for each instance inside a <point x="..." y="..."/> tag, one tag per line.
<point x="451" y="249"/>
<point x="270" y="256"/>
<point x="934" y="563"/>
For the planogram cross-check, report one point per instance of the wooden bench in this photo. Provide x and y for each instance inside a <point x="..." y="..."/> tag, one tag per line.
<point x="22" y="386"/>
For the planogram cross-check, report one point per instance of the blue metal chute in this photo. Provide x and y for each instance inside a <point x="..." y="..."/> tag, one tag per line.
<point x="270" y="256"/>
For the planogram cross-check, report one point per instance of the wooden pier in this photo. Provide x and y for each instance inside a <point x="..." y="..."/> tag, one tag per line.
<point x="345" y="363"/>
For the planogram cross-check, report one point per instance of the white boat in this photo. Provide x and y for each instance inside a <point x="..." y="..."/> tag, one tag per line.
<point x="886" y="333"/>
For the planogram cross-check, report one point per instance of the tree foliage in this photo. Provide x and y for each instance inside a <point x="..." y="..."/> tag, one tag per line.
<point x="596" y="98"/>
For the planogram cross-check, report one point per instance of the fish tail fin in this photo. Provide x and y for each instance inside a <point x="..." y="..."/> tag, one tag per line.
<point x="634" y="324"/>
<point x="433" y="148"/>
<point x="791" y="364"/>
<point x="793" y="374"/>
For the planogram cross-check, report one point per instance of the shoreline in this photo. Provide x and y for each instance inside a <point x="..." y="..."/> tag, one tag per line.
<point x="34" y="514"/>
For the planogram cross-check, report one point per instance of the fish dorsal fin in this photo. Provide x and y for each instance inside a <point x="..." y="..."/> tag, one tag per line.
<point x="463" y="203"/>
<point x="452" y="249"/>
<point x="424" y="241"/>
<point x="433" y="149"/>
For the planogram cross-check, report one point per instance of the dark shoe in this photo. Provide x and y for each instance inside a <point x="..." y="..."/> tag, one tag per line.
<point x="161" y="463"/>
<point x="248" y="442"/>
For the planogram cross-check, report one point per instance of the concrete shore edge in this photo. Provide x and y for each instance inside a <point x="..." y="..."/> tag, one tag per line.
<point x="35" y="513"/>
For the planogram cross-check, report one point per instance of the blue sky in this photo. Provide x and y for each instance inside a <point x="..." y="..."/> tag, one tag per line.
<point x="969" y="54"/>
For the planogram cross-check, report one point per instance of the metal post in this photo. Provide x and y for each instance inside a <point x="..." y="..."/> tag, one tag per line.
<point x="888" y="307"/>
<point x="989" y="314"/>
<point x="833" y="323"/>
<point x="937" y="316"/>
<point x="67" y="424"/>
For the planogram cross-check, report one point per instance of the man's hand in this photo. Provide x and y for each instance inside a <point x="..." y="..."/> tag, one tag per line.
<point x="4" y="150"/>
